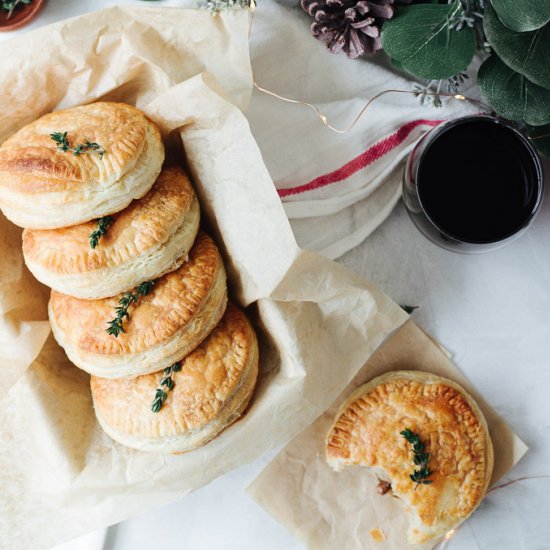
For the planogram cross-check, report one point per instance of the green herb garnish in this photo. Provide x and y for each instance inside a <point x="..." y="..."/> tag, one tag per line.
<point x="63" y="145"/>
<point x="420" y="458"/>
<point x="166" y="384"/>
<point x="89" y="146"/>
<point x="61" y="140"/>
<point x="102" y="225"/>
<point x="408" y="309"/>
<point x="10" y="5"/>
<point x="115" y="327"/>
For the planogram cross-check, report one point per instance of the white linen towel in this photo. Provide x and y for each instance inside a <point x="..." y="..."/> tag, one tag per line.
<point x="336" y="188"/>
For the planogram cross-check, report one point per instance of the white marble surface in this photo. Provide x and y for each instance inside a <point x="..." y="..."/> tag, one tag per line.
<point x="491" y="311"/>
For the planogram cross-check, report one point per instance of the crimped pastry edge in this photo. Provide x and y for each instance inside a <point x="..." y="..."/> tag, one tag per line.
<point x="232" y="410"/>
<point x="152" y="264"/>
<point x="55" y="210"/>
<point x="157" y="357"/>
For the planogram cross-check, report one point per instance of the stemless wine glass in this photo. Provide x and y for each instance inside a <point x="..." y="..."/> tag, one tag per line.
<point x="473" y="184"/>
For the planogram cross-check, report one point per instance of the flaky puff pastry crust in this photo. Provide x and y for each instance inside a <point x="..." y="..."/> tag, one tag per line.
<point x="44" y="188"/>
<point x="211" y="391"/>
<point x="151" y="237"/>
<point x="366" y="432"/>
<point x="168" y="323"/>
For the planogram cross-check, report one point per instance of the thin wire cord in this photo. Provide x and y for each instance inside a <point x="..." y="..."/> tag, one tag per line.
<point x="533" y="138"/>
<point x="514" y="481"/>
<point x="324" y="119"/>
<point x="447" y="538"/>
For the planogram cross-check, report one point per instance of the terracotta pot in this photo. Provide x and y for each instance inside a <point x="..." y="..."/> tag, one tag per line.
<point x="22" y="15"/>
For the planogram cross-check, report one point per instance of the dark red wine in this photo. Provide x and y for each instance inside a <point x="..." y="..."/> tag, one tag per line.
<point x="478" y="181"/>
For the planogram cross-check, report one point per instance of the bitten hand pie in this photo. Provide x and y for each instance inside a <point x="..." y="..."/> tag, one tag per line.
<point x="450" y="426"/>
<point x="149" y="238"/>
<point x="43" y="187"/>
<point x="162" y="326"/>
<point x="210" y="391"/>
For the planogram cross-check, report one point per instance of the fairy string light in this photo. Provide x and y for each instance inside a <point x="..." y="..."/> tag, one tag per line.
<point x="324" y="119"/>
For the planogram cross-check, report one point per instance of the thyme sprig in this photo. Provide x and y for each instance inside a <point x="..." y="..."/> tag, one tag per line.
<point x="61" y="139"/>
<point x="10" y="5"/>
<point x="89" y="146"/>
<point x="63" y="145"/>
<point x="166" y="384"/>
<point x="421" y="458"/>
<point x="102" y="225"/>
<point x="116" y="326"/>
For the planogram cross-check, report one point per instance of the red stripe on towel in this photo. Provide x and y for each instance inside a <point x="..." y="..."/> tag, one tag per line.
<point x="373" y="153"/>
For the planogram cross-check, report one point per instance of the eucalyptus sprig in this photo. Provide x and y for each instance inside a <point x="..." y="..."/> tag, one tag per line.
<point x="420" y="39"/>
<point x="432" y="91"/>
<point x="216" y="6"/>
<point x="10" y="5"/>
<point x="166" y="384"/>
<point x="102" y="225"/>
<point x="116" y="325"/>
<point x="436" y="41"/>
<point x="421" y="458"/>
<point x="63" y="145"/>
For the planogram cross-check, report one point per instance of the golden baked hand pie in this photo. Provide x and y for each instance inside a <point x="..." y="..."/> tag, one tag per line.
<point x="150" y="237"/>
<point x="42" y="187"/>
<point x="210" y="392"/>
<point x="367" y="429"/>
<point x="163" y="326"/>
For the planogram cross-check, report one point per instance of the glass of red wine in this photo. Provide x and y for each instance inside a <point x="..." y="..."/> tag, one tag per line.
<point x="473" y="184"/>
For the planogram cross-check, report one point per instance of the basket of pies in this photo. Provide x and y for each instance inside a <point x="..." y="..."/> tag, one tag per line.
<point x="159" y="324"/>
<point x="139" y="295"/>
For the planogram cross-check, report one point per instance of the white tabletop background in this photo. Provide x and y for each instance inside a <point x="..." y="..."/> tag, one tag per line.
<point x="492" y="311"/>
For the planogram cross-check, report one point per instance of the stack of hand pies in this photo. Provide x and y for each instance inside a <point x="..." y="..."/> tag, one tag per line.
<point x="139" y="294"/>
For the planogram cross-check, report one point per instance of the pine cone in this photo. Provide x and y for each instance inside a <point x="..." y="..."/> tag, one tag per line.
<point x="350" y="25"/>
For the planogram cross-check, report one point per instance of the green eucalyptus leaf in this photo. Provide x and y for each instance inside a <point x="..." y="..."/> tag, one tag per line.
<point x="397" y="64"/>
<point x="523" y="15"/>
<point x="511" y="95"/>
<point x="420" y="39"/>
<point x="527" y="53"/>
<point x="543" y="143"/>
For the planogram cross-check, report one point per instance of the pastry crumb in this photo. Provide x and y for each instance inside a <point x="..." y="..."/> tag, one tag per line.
<point x="377" y="535"/>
